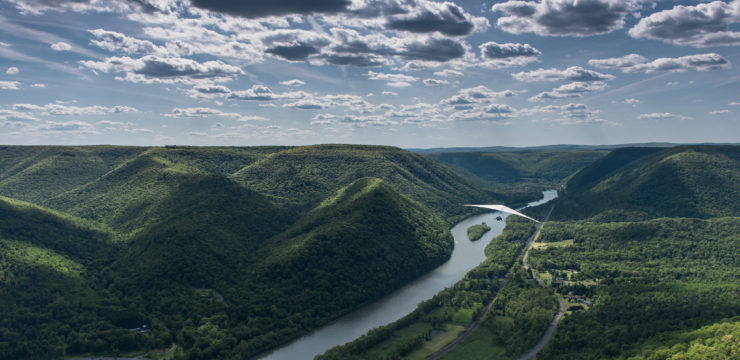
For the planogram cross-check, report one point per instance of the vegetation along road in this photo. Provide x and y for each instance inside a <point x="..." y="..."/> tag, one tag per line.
<point x="532" y="354"/>
<point x="474" y="325"/>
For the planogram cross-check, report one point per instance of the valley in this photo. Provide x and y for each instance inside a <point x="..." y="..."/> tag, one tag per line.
<point x="226" y="252"/>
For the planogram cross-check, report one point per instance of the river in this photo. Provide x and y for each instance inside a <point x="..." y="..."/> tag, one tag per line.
<point x="465" y="256"/>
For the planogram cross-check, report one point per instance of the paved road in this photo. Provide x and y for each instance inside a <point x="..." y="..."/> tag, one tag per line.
<point x="532" y="354"/>
<point x="474" y="325"/>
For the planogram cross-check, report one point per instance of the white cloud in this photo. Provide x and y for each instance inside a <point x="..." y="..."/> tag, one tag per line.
<point x="154" y="69"/>
<point x="634" y="63"/>
<point x="569" y="114"/>
<point x="61" y="46"/>
<point x="38" y="85"/>
<point x="448" y="73"/>
<point x="60" y="109"/>
<point x="573" y="73"/>
<point x="571" y="90"/>
<point x="12" y="70"/>
<point x="435" y="82"/>
<point x="662" y="116"/>
<point x="719" y="112"/>
<point x="631" y="101"/>
<point x="703" y="25"/>
<point x="294" y="83"/>
<point x="199" y="112"/>
<point x="9" y="85"/>
<point x="564" y="17"/>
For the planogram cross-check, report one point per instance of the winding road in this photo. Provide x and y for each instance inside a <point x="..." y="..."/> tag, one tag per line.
<point x="474" y="325"/>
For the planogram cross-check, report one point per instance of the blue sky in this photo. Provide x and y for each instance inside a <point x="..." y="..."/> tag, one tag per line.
<point x="409" y="73"/>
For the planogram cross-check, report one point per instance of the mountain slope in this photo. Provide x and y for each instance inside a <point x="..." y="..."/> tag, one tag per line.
<point x="689" y="181"/>
<point x="51" y="275"/>
<point x="366" y="243"/>
<point x="520" y="166"/>
<point x="36" y="173"/>
<point x="304" y="176"/>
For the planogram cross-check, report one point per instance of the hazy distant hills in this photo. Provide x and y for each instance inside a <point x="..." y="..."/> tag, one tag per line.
<point x="689" y="181"/>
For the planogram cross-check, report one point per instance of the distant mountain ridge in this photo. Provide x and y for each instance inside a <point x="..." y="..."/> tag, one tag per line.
<point x="689" y="181"/>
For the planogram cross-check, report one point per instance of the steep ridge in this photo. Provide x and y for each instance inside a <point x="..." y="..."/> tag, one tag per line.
<point x="520" y="166"/>
<point x="689" y="181"/>
<point x="36" y="173"/>
<point x="305" y="176"/>
<point x="219" y="247"/>
<point x="367" y="242"/>
<point x="51" y="275"/>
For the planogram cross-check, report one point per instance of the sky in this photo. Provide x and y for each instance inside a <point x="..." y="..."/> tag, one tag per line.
<point x="408" y="73"/>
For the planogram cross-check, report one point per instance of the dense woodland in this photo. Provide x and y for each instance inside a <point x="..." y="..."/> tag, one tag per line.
<point x="644" y="253"/>
<point x="230" y="252"/>
<point x="222" y="252"/>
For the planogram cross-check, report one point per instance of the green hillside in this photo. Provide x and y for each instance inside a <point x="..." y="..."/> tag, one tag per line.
<point x="36" y="173"/>
<point x="689" y="181"/>
<point x="645" y="255"/>
<point x="539" y="166"/>
<point x="224" y="251"/>
<point x="51" y="270"/>
<point x="305" y="176"/>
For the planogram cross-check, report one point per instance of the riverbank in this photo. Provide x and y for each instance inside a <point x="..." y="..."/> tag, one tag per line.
<point x="451" y="310"/>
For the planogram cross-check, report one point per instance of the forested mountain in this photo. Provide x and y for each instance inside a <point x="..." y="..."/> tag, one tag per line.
<point x="226" y="252"/>
<point x="636" y="280"/>
<point x="689" y="181"/>
<point x="539" y="166"/>
<point x="647" y="245"/>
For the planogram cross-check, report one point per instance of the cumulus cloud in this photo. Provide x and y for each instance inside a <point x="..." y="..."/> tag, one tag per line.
<point x="155" y="69"/>
<point x="66" y="127"/>
<point x="634" y="63"/>
<point x="121" y="43"/>
<point x="293" y="83"/>
<point x="448" y="73"/>
<point x="61" y="109"/>
<point x="258" y="8"/>
<point x="38" y="7"/>
<point x="570" y="114"/>
<point x="564" y="17"/>
<point x="9" y="85"/>
<point x="631" y="101"/>
<point x="573" y="73"/>
<point x="435" y="82"/>
<point x="719" y="112"/>
<point x="199" y="112"/>
<point x="433" y="49"/>
<point x="263" y="93"/>
<point x="662" y="116"/>
<point x="38" y="86"/>
<point x="394" y="80"/>
<point x="306" y="104"/>
<point x="572" y="90"/>
<point x="427" y="16"/>
<point x="702" y="25"/>
<point x="493" y="50"/>
<point x="60" y="46"/>
<point x="12" y="70"/>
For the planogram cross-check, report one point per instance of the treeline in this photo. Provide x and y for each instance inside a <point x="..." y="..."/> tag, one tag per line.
<point x="520" y="314"/>
<point x="459" y="304"/>
<point x="654" y="277"/>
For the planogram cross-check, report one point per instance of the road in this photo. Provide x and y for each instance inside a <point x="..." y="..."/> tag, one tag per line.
<point x="532" y="354"/>
<point x="474" y="325"/>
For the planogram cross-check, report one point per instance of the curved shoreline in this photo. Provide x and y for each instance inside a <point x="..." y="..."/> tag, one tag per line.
<point x="465" y="256"/>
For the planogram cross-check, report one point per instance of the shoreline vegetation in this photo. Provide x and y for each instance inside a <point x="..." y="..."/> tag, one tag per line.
<point x="476" y="232"/>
